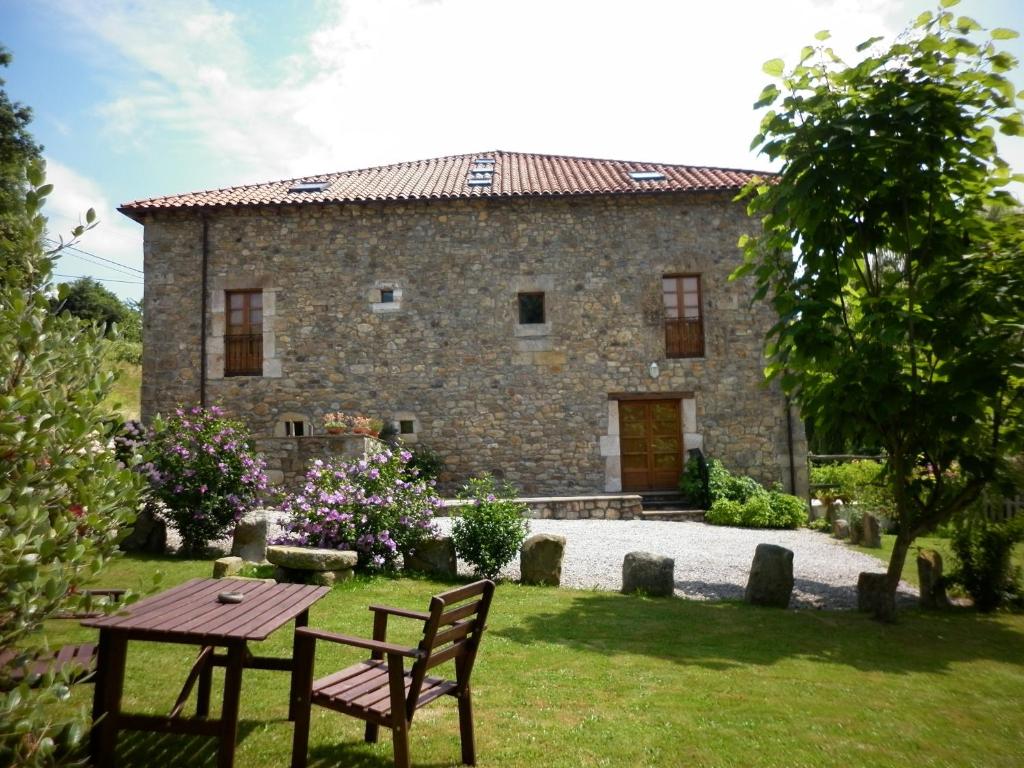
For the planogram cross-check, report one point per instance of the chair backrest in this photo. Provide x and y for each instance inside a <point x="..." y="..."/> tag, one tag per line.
<point x="452" y="631"/>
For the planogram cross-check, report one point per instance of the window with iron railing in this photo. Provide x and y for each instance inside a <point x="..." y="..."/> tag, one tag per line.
<point x="684" y="321"/>
<point x="243" y="334"/>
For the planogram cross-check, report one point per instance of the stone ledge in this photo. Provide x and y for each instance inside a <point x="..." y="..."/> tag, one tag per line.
<point x="599" y="507"/>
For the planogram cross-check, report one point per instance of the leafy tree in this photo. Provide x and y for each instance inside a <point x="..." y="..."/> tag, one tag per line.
<point x="899" y="297"/>
<point x="17" y="150"/>
<point x="64" y="498"/>
<point x="87" y="299"/>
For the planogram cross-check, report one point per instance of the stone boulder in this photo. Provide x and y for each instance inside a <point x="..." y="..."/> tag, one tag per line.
<point x="540" y="560"/>
<point x="929" y="574"/>
<point x="311" y="559"/>
<point x="840" y="529"/>
<point x="771" y="577"/>
<point x="874" y="597"/>
<point x="435" y="557"/>
<point x="870" y="531"/>
<point x="227" y="566"/>
<point x="250" y="540"/>
<point x="652" y="574"/>
<point x="148" y="535"/>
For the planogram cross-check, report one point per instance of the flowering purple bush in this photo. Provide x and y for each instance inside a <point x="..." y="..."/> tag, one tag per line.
<point x="204" y="469"/>
<point x="377" y="506"/>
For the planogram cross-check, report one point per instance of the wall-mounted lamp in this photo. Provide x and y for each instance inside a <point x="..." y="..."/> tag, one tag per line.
<point x="653" y="370"/>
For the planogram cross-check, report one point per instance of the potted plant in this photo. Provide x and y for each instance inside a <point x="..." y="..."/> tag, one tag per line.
<point x="338" y="423"/>
<point x="364" y="425"/>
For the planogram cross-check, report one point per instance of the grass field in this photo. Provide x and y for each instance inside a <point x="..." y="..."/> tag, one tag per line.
<point x="125" y="396"/>
<point x="574" y="678"/>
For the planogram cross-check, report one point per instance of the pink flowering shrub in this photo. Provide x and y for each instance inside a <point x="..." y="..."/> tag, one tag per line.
<point x="377" y="506"/>
<point x="203" y="467"/>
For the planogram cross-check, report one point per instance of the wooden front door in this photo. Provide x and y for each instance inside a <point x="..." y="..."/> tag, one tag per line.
<point x="651" y="444"/>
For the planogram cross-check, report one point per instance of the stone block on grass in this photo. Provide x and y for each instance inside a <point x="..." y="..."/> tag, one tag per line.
<point x="771" y="577"/>
<point x="435" y="557"/>
<point x="840" y="529"/>
<point x="929" y="575"/>
<point x="654" y="575"/>
<point x="250" y="539"/>
<point x="540" y="560"/>
<point x="870" y="531"/>
<point x="875" y="597"/>
<point x="311" y="559"/>
<point x="227" y="566"/>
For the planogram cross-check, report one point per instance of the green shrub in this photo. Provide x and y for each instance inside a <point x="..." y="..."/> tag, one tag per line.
<point x="722" y="484"/>
<point x="858" y="482"/>
<point x="821" y="525"/>
<point x="788" y="511"/>
<point x="694" y="482"/>
<point x="757" y="511"/>
<point x="725" y="512"/>
<point x="202" y="466"/>
<point x="984" y="570"/>
<point x="428" y="463"/>
<point x="490" y="531"/>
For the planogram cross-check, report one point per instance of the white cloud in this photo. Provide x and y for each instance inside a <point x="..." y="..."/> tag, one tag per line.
<point x="114" y="237"/>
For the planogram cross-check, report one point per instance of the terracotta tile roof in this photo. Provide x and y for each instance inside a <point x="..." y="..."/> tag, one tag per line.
<point x="515" y="174"/>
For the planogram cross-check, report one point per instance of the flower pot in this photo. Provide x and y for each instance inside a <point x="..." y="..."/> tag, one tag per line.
<point x="335" y="430"/>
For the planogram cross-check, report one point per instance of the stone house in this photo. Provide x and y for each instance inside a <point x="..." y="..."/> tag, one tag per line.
<point x="565" y="323"/>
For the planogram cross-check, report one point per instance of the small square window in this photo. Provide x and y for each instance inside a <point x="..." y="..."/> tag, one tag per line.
<point x="387" y="295"/>
<point x="294" y="428"/>
<point x="531" y="308"/>
<point x="406" y="427"/>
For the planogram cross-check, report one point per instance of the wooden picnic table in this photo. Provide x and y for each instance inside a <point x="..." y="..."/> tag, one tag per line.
<point x="191" y="614"/>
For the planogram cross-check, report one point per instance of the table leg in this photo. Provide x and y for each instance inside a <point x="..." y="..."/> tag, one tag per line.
<point x="301" y="620"/>
<point x="106" y="702"/>
<point x="203" y="691"/>
<point x="229" y="712"/>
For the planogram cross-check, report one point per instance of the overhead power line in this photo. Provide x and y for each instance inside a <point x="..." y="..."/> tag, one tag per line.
<point x="93" y="255"/>
<point x="101" y="279"/>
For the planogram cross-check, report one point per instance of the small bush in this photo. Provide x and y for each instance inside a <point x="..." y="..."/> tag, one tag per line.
<point x="855" y="482"/>
<point x="725" y="512"/>
<point x="491" y="530"/>
<point x="694" y="482"/>
<point x="722" y="484"/>
<point x="204" y="469"/>
<point x="787" y="511"/>
<point x="821" y="525"/>
<point x="428" y="463"/>
<point x="377" y="506"/>
<point x="985" y="571"/>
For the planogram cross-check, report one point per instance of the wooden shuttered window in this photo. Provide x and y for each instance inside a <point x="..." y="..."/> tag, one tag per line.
<point x="243" y="336"/>
<point x="684" y="317"/>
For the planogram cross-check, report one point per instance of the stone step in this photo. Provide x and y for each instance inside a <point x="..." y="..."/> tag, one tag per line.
<point x="674" y="515"/>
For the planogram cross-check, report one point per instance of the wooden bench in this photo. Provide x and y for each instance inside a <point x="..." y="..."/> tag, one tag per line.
<point x="76" y="662"/>
<point x="380" y="690"/>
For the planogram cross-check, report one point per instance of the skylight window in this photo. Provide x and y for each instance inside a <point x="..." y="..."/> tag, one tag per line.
<point x="647" y="176"/>
<point x="485" y="182"/>
<point x="309" y="186"/>
<point x="484" y="160"/>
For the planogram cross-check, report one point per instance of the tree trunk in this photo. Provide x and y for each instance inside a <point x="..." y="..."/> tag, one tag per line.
<point x="899" y="557"/>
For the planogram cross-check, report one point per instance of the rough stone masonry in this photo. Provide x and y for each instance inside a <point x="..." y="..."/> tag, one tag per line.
<point x="447" y="356"/>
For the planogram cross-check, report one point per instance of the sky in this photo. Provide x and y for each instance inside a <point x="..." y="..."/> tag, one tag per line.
<point x="142" y="98"/>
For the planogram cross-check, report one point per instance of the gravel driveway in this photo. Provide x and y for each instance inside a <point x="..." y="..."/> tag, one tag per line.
<point x="712" y="562"/>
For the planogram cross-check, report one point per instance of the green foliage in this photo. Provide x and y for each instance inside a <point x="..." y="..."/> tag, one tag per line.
<point x="204" y="469"/>
<point x="722" y="484"/>
<point x="377" y="505"/>
<point x="65" y="499"/>
<point x="742" y="501"/>
<point x="820" y="524"/>
<point x="492" y="528"/>
<point x="694" y="482"/>
<point x="429" y="464"/>
<point x="88" y="300"/>
<point x="860" y="482"/>
<point x="983" y="549"/>
<point x="898" y="294"/>
<point x="724" y="512"/>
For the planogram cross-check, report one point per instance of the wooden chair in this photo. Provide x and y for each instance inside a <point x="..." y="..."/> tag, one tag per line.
<point x="77" y="661"/>
<point x="380" y="690"/>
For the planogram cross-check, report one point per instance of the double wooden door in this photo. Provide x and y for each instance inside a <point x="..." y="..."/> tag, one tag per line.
<point x="651" y="444"/>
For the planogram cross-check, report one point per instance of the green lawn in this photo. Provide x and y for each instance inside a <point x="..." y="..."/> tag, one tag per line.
<point x="575" y="678"/>
<point x="125" y="396"/>
<point x="941" y="545"/>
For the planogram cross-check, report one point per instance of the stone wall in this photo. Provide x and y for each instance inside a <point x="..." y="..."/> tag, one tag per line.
<point x="529" y="404"/>
<point x="620" y="506"/>
<point x="289" y="458"/>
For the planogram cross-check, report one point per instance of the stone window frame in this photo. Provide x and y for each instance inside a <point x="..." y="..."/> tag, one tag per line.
<point x="673" y="346"/>
<point x="219" y="287"/>
<point x="544" y="284"/>
<point x="283" y="419"/>
<point x="396" y="422"/>
<point x="382" y="307"/>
